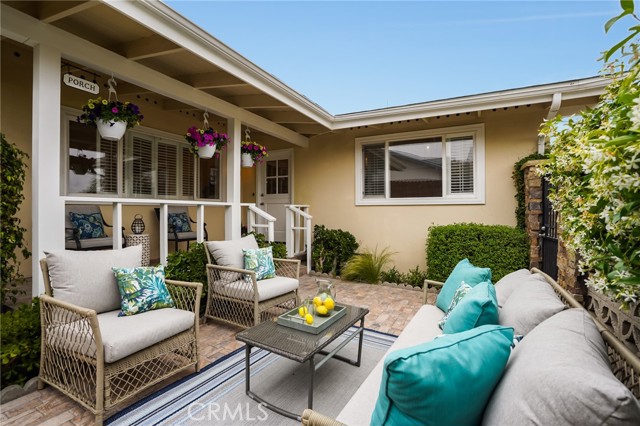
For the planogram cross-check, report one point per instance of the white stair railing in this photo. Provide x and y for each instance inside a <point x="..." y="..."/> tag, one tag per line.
<point x="253" y="213"/>
<point x="298" y="231"/>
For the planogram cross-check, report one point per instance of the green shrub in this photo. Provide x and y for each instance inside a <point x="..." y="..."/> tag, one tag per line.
<point x="190" y="266"/>
<point x="12" y="177"/>
<point x="518" y="180"/>
<point x="367" y="266"/>
<point x="20" y="344"/>
<point x="331" y="249"/>
<point x="278" y="249"/>
<point x="504" y="249"/>
<point x="415" y="277"/>
<point x="391" y="276"/>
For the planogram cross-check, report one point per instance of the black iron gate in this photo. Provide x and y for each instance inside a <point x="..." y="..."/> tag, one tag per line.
<point x="549" y="234"/>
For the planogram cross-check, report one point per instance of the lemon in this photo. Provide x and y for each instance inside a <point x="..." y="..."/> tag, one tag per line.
<point x="322" y="310"/>
<point x="329" y="304"/>
<point x="317" y="301"/>
<point x="302" y="311"/>
<point x="308" y="318"/>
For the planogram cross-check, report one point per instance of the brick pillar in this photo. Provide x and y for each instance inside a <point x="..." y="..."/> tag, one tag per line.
<point x="533" y="213"/>
<point x="568" y="275"/>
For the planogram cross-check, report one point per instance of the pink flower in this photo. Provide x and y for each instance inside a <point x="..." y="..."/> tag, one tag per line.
<point x="114" y="110"/>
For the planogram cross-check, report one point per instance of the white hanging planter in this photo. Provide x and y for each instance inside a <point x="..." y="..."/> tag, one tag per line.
<point x="206" y="151"/>
<point x="246" y="160"/>
<point x="111" y="130"/>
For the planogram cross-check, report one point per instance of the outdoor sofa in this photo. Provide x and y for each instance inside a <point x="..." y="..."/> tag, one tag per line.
<point x="91" y="353"/>
<point x="568" y="369"/>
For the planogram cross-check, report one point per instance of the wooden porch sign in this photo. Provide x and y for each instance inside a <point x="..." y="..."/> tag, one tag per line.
<point x="81" y="84"/>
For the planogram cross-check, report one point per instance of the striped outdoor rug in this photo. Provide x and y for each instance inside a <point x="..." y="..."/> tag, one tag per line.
<point x="216" y="395"/>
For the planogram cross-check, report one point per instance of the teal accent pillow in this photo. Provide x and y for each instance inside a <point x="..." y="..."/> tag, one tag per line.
<point x="457" y="297"/>
<point x="142" y="289"/>
<point x="88" y="225"/>
<point x="447" y="381"/>
<point x="478" y="307"/>
<point x="261" y="261"/>
<point x="180" y="222"/>
<point x="464" y="271"/>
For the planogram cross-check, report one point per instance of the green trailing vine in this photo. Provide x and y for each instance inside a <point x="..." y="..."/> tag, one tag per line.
<point x="518" y="180"/>
<point x="12" y="233"/>
<point x="595" y="168"/>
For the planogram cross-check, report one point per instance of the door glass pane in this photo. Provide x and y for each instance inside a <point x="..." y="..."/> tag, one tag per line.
<point x="271" y="186"/>
<point x="167" y="169"/>
<point x="283" y="167"/>
<point x="187" y="172"/>
<point x="142" y="167"/>
<point x="415" y="168"/>
<point x="283" y="185"/>
<point x="92" y="163"/>
<point x="272" y="168"/>
<point x="210" y="178"/>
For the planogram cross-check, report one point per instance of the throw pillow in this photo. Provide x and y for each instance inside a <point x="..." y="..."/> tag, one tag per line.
<point x="446" y="381"/>
<point x="507" y="284"/>
<point x="478" y="307"/>
<point x="560" y="375"/>
<point x="457" y="297"/>
<point x="179" y="222"/>
<point x="261" y="261"/>
<point x="531" y="303"/>
<point x="142" y="289"/>
<point x="88" y="225"/>
<point x="464" y="271"/>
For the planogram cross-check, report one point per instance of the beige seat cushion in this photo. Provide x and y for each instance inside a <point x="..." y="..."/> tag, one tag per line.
<point x="422" y="328"/>
<point x="85" y="278"/>
<point x="267" y="289"/>
<point x="89" y="243"/>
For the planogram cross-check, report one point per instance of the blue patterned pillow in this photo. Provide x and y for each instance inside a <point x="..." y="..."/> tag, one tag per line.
<point x="142" y="289"/>
<point x="180" y="222"/>
<point x="261" y="261"/>
<point x="457" y="297"/>
<point x="88" y="225"/>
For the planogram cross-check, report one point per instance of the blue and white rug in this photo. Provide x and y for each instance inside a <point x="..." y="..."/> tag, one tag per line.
<point x="216" y="395"/>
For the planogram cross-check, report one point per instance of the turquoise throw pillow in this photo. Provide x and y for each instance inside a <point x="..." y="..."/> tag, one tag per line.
<point x="447" y="381"/>
<point x="142" y="289"/>
<point x="261" y="261"/>
<point x="88" y="225"/>
<point x="464" y="271"/>
<point x="180" y="222"/>
<point x="478" y="307"/>
<point x="457" y="297"/>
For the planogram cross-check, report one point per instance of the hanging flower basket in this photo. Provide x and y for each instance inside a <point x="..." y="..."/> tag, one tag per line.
<point x="253" y="153"/>
<point x="112" y="118"/>
<point x="204" y="142"/>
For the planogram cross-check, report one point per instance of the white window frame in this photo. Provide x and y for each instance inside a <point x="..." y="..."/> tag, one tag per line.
<point x="478" y="195"/>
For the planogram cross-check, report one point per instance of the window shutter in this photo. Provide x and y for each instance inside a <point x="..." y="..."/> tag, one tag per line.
<point x="460" y="167"/>
<point x="373" y="168"/>
<point x="188" y="171"/>
<point x="142" y="167"/>
<point x="107" y="167"/>
<point x="167" y="169"/>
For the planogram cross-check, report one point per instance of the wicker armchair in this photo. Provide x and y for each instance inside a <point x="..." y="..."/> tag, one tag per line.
<point x="236" y="297"/>
<point x="85" y="354"/>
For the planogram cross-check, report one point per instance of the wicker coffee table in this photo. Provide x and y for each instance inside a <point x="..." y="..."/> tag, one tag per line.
<point x="302" y="347"/>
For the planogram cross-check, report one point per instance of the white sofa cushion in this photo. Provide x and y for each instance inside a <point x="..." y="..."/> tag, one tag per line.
<point x="507" y="284"/>
<point x="422" y="328"/>
<point x="85" y="278"/>
<point x="267" y="289"/>
<point x="229" y="252"/>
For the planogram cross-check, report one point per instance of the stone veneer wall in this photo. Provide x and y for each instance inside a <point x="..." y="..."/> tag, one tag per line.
<point x="568" y="275"/>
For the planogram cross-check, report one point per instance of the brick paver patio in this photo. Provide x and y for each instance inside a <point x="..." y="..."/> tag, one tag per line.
<point x="391" y="308"/>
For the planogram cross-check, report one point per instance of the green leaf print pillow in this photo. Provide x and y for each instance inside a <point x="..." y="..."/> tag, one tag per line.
<point x="261" y="261"/>
<point x="142" y="289"/>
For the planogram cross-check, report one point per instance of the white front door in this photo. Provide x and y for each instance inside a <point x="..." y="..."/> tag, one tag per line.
<point x="275" y="187"/>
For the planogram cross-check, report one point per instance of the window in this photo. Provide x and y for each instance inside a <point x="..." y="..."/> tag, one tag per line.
<point x="92" y="163"/>
<point x="444" y="166"/>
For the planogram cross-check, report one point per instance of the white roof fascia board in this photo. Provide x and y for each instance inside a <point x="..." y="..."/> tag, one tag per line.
<point x="530" y="95"/>
<point x="24" y="27"/>
<point x="163" y="20"/>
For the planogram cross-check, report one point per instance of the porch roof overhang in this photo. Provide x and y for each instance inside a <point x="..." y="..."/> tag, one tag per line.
<point x="156" y="49"/>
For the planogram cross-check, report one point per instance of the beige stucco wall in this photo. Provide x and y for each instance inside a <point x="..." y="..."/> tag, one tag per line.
<point x="325" y="179"/>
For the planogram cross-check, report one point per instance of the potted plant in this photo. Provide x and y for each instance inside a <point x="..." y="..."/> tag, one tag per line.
<point x="112" y="118"/>
<point x="205" y="141"/>
<point x="252" y="152"/>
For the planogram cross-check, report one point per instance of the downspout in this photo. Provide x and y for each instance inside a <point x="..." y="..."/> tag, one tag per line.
<point x="553" y="111"/>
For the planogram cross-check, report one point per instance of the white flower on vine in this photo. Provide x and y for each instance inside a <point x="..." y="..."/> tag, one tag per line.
<point x="635" y="114"/>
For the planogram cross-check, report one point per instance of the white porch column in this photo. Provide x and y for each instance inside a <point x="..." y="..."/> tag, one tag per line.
<point x="232" y="220"/>
<point x="164" y="233"/>
<point x="200" y="220"/>
<point x="47" y="205"/>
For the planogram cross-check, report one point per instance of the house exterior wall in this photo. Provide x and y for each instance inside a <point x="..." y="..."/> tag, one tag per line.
<point x="325" y="179"/>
